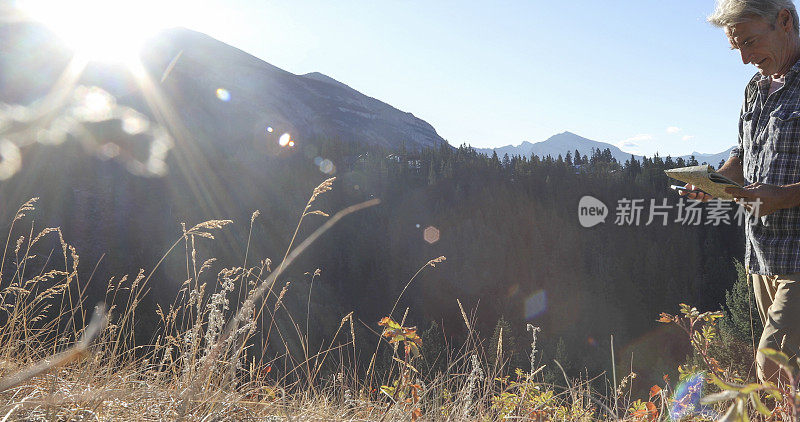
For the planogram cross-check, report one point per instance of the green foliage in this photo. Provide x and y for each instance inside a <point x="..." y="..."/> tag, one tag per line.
<point x="702" y="331"/>
<point x="741" y="315"/>
<point x="399" y="334"/>
<point x="739" y="330"/>
<point x="405" y="389"/>
<point x="740" y="394"/>
<point x="524" y="398"/>
<point x="743" y="396"/>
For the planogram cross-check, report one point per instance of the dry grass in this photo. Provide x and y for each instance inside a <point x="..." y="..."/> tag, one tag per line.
<point x="201" y="365"/>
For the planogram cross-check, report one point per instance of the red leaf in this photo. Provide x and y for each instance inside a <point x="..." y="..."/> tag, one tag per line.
<point x="652" y="411"/>
<point x="654" y="390"/>
<point x="665" y="318"/>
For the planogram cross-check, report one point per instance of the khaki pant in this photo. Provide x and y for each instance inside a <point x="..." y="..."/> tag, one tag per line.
<point x="778" y="301"/>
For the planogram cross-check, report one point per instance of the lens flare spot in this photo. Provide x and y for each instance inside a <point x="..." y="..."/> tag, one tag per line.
<point x="10" y="159"/>
<point x="109" y="150"/>
<point x="291" y="143"/>
<point x="326" y="166"/>
<point x="318" y="161"/>
<point x="686" y="401"/>
<point x="92" y="104"/>
<point x="431" y="234"/>
<point x="418" y="226"/>
<point x="270" y="129"/>
<point x="134" y="123"/>
<point x="223" y="94"/>
<point x="56" y="134"/>
<point x="156" y="167"/>
<point x="536" y="304"/>
<point x="284" y="139"/>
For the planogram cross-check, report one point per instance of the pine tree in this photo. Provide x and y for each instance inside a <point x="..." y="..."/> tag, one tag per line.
<point x="435" y="350"/>
<point x="431" y="175"/>
<point x="741" y="314"/>
<point x="507" y="346"/>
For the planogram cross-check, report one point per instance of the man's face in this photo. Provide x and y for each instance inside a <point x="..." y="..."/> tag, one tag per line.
<point x="762" y="43"/>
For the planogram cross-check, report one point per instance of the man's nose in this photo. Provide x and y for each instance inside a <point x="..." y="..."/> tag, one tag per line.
<point x="745" y="55"/>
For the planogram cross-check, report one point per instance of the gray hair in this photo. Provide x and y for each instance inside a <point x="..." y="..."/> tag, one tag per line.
<point x="731" y="12"/>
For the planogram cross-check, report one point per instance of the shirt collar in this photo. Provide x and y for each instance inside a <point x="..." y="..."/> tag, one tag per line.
<point x="763" y="81"/>
<point x="793" y="71"/>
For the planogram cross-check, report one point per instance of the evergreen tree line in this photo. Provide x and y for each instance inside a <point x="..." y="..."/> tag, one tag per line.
<point x="516" y="252"/>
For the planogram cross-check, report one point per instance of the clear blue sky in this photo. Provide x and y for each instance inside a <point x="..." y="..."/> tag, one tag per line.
<point x="503" y="72"/>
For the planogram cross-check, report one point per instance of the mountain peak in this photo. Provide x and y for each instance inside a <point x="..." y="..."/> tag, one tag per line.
<point x="325" y="78"/>
<point x="193" y="65"/>
<point x="567" y="137"/>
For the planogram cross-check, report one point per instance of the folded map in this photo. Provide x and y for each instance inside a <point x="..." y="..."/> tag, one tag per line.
<point x="704" y="178"/>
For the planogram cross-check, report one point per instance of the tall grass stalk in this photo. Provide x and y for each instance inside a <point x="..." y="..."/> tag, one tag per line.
<point x="203" y="361"/>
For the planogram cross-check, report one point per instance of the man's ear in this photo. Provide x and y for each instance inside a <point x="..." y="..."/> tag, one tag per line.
<point x="785" y="20"/>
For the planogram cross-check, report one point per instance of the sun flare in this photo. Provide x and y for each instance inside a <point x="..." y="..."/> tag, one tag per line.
<point x="101" y="30"/>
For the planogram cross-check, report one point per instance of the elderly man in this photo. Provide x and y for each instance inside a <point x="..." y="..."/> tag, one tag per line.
<point x="767" y="162"/>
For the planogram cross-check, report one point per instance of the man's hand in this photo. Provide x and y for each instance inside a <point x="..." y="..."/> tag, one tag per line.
<point x="772" y="197"/>
<point x="695" y="194"/>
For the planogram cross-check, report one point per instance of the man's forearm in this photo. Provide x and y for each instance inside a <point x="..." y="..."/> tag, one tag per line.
<point x="774" y="197"/>
<point x="791" y="196"/>
<point x="732" y="169"/>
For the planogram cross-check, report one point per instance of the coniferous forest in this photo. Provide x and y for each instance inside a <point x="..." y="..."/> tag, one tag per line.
<point x="508" y="227"/>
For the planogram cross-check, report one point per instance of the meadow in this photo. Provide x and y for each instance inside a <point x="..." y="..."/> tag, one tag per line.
<point x="62" y="358"/>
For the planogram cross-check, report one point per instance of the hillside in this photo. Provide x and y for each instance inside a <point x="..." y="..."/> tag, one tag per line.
<point x="309" y="107"/>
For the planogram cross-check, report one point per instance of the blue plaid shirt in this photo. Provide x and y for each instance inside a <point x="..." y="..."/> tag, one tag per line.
<point x="769" y="146"/>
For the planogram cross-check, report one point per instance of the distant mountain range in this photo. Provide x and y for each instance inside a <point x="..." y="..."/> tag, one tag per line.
<point x="569" y="142"/>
